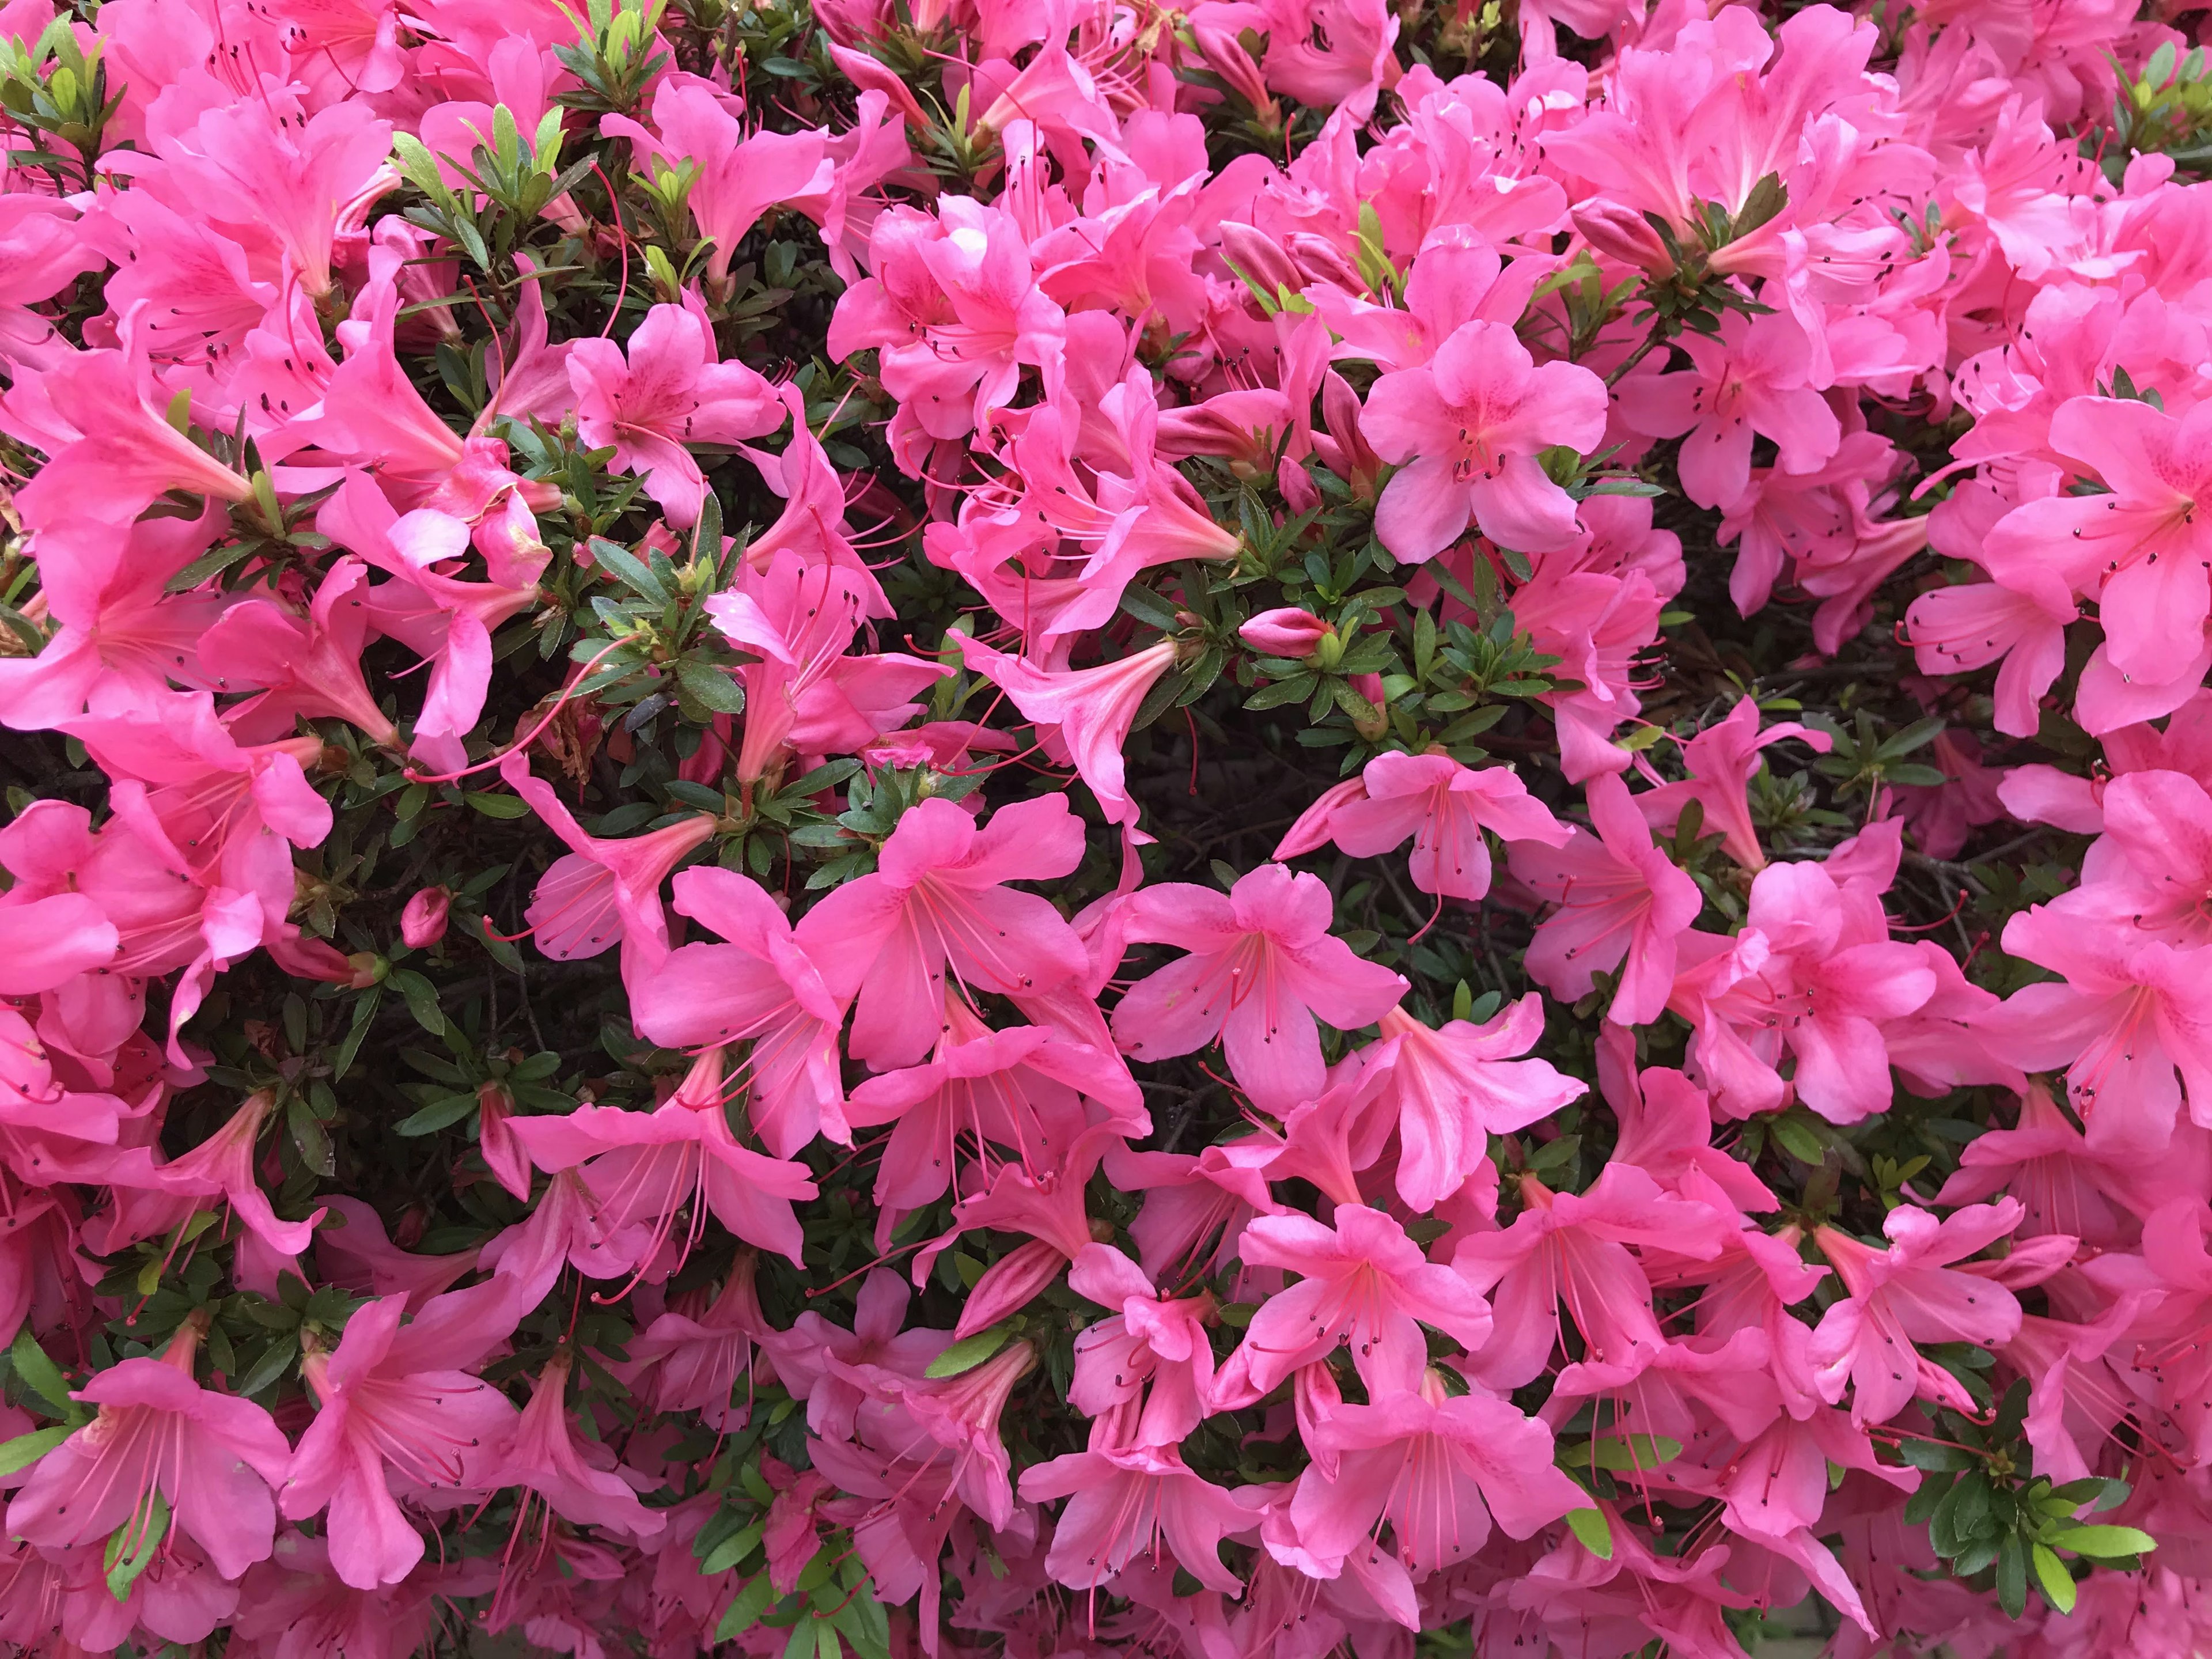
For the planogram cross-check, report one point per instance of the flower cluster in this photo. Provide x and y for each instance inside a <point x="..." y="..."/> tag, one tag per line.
<point x="1073" y="828"/>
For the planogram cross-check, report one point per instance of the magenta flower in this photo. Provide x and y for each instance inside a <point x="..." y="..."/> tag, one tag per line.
<point x="394" y="1403"/>
<point x="1450" y="1089"/>
<point x="423" y="922"/>
<point x="740" y="176"/>
<point x="1445" y="808"/>
<point x="1752" y="380"/>
<point x="1911" y="1293"/>
<point x="1286" y="631"/>
<point x="1440" y="1468"/>
<point x="306" y="665"/>
<point x="603" y="892"/>
<point x="935" y="905"/>
<point x="1622" y="905"/>
<point x="664" y="390"/>
<point x="1814" y="975"/>
<point x="98" y="417"/>
<point x="1126" y="1502"/>
<point x="646" y="1168"/>
<point x="1364" y="1284"/>
<point x="211" y="1457"/>
<point x="222" y="1166"/>
<point x="1466" y="428"/>
<point x="1088" y="712"/>
<point x="579" y="1482"/>
<point x="1722" y="761"/>
<point x="2134" y="547"/>
<point x="765" y="988"/>
<point x="1022" y="1088"/>
<point x="2131" y="1023"/>
<point x="1574" y="1247"/>
<point x="1261" y="966"/>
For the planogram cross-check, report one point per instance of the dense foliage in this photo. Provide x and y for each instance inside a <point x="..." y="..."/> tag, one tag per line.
<point x="953" y="828"/>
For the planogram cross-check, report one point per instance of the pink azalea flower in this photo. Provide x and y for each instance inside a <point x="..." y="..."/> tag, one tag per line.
<point x="223" y="1165"/>
<point x="210" y="1456"/>
<point x="1286" y="631"/>
<point x="1089" y="711"/>
<point x="2132" y="1025"/>
<point x="1364" y="1284"/>
<point x="98" y="418"/>
<point x="306" y="665"/>
<point x="121" y="633"/>
<point x="769" y="987"/>
<point x="1812" y="974"/>
<point x="644" y="1168"/>
<point x="1151" y="1339"/>
<point x="696" y="1361"/>
<point x="935" y="903"/>
<point x="395" y="1403"/>
<point x="1130" y="1500"/>
<point x="423" y="921"/>
<point x="1574" y="1247"/>
<point x="1261" y="966"/>
<point x="806" y="693"/>
<point x="2020" y="624"/>
<point x="1910" y="1293"/>
<point x="544" y="1456"/>
<point x="1440" y="1467"/>
<point x="2135" y="547"/>
<point x="661" y="392"/>
<point x="1021" y="1087"/>
<point x="1448" y="1090"/>
<point x="602" y="892"/>
<point x="1445" y="808"/>
<point x="1722" y="761"/>
<point x="1468" y="426"/>
<point x="1622" y="902"/>
<point x="1752" y="379"/>
<point x="740" y="176"/>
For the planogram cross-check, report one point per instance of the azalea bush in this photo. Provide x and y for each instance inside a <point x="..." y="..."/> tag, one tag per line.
<point x="938" y="828"/>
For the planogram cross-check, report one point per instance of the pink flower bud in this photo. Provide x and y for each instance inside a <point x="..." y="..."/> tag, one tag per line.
<point x="423" y="921"/>
<point x="1287" y="632"/>
<point x="1260" y="258"/>
<point x="1624" y="235"/>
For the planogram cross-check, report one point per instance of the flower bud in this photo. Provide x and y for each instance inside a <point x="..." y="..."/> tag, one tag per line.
<point x="1285" y="632"/>
<point x="1624" y="235"/>
<point x="1259" y="258"/>
<point x="423" y="921"/>
<point x="1370" y="686"/>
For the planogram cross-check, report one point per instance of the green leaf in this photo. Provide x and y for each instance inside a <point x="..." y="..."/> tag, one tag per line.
<point x="1594" y="1530"/>
<point x="709" y="687"/>
<point x="493" y="805"/>
<point x="437" y="1115"/>
<point x="1927" y="1455"/>
<point x="1636" y="1451"/>
<point x="42" y="1376"/>
<point x="25" y="1450"/>
<point x="966" y="1356"/>
<point x="2012" y="1576"/>
<point x="827" y="1644"/>
<point x="2101" y="1542"/>
<point x="2052" y="1578"/>
<point x="1798" y="1140"/>
<point x="131" y="1546"/>
<point x="629" y="569"/>
<point x="421" y="1000"/>
<point x="732" y="1549"/>
<point x="1767" y="198"/>
<point x="744" y="1612"/>
<point x="272" y="1364"/>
